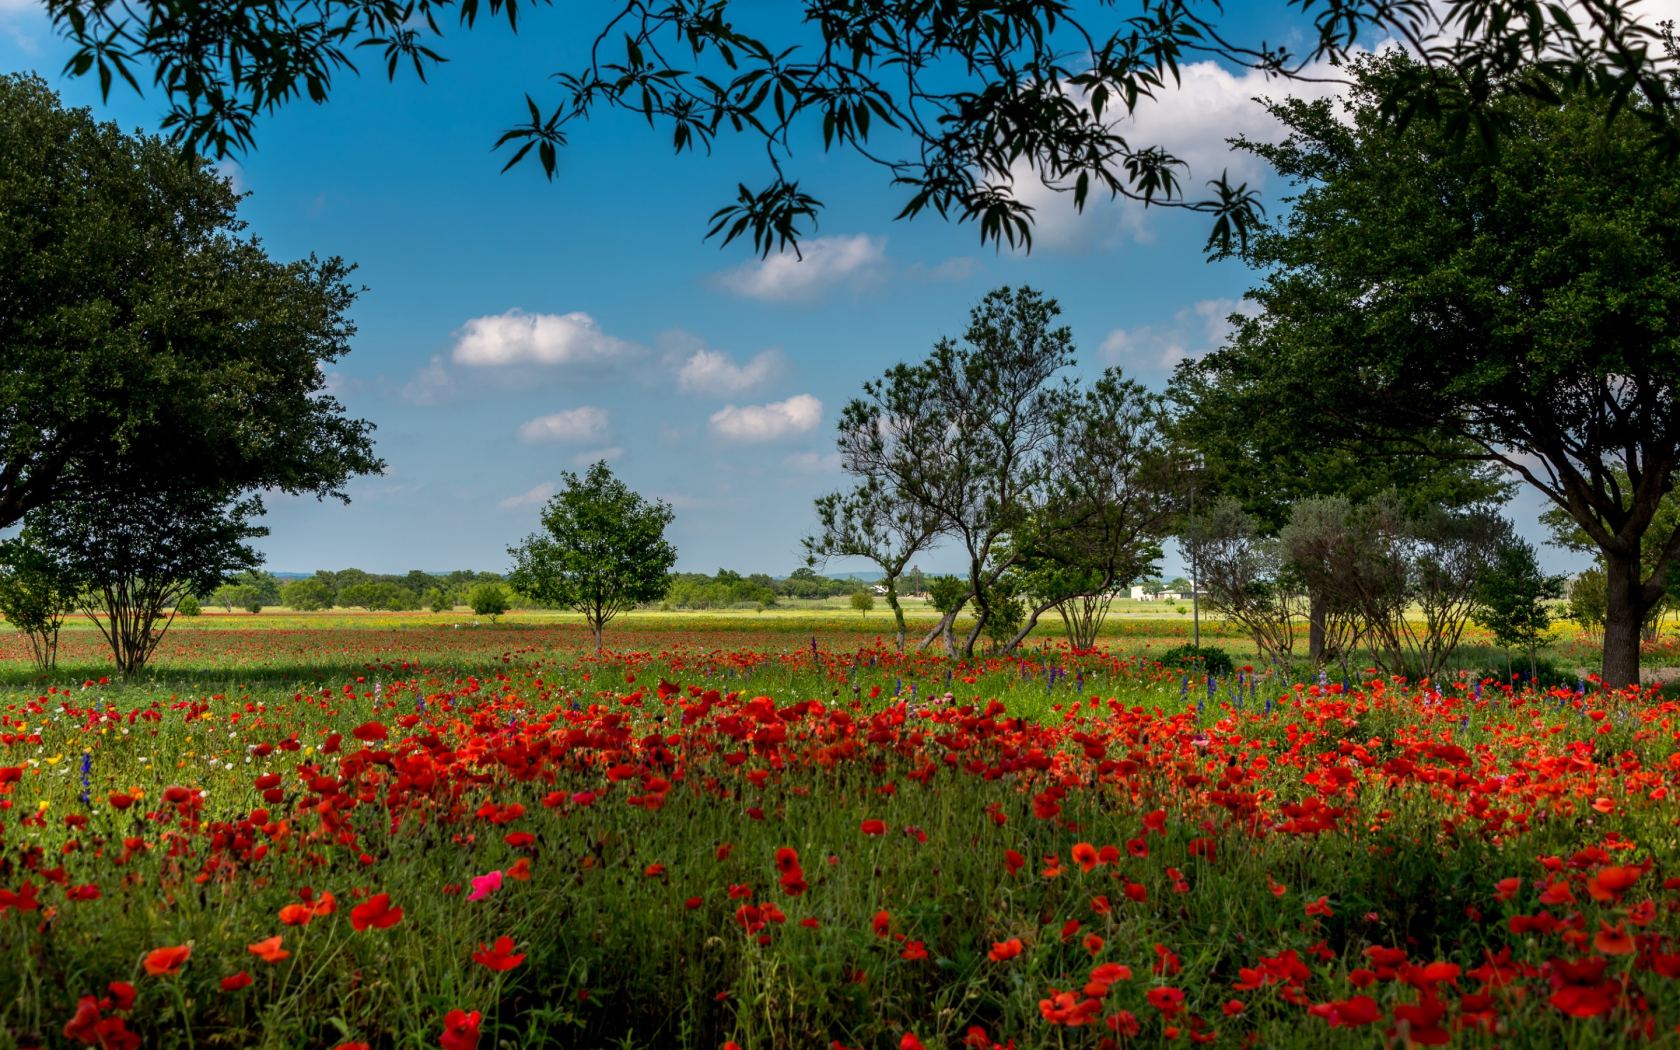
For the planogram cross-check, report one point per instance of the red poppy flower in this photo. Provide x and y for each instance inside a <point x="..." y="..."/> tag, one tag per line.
<point x="1085" y="855"/>
<point x="460" y="1030"/>
<point x="166" y="962"/>
<point x="1013" y="861"/>
<point x="1167" y="1000"/>
<point x="375" y="912"/>
<point x="122" y="995"/>
<point x="297" y="914"/>
<point x="269" y="951"/>
<point x="1005" y="950"/>
<point x="881" y="923"/>
<point x="873" y="827"/>
<point x="352" y="1046"/>
<point x="499" y="958"/>
<point x="520" y="870"/>
<point x="1613" y="941"/>
<point x="653" y="871"/>
<point x="787" y="860"/>
<point x="121" y="801"/>
<point x="236" y="982"/>
<point x="1505" y="889"/>
<point x="368" y="732"/>
<point x="914" y="950"/>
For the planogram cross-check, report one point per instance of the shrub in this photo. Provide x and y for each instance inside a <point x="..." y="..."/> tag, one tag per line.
<point x="488" y="599"/>
<point x="188" y="606"/>
<point x="1205" y="660"/>
<point x="863" y="601"/>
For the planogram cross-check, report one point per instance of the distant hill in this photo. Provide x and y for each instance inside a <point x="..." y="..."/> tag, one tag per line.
<point x="861" y="577"/>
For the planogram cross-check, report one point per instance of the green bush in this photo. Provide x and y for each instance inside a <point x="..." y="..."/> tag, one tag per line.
<point x="188" y="606"/>
<point x="1205" y="660"/>
<point x="488" y="599"/>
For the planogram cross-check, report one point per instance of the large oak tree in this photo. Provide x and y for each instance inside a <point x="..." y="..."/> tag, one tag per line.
<point x="1520" y="306"/>
<point x="143" y="334"/>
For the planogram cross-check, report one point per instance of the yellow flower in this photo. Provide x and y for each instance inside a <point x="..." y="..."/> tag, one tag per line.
<point x="53" y="761"/>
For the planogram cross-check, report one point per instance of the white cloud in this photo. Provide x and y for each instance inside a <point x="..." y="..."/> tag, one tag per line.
<point x="715" y="372"/>
<point x="534" y="498"/>
<point x="822" y="263"/>
<point x="587" y="459"/>
<point x="587" y="423"/>
<point x="780" y="419"/>
<point x="813" y="462"/>
<point x="430" y="386"/>
<point x="227" y="167"/>
<point x="516" y="338"/>
<point x="1196" y="330"/>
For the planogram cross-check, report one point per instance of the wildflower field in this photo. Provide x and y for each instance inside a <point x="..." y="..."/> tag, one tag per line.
<point x="422" y="837"/>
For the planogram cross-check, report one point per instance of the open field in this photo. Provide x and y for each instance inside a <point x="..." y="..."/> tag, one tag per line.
<point x="316" y="830"/>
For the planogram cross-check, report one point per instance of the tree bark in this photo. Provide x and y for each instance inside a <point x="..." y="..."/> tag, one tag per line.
<point x="898" y="611"/>
<point x="1317" y="609"/>
<point x="1624" y="612"/>
<point x="1032" y="621"/>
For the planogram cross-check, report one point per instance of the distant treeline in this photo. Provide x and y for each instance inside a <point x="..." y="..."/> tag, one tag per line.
<point x="355" y="589"/>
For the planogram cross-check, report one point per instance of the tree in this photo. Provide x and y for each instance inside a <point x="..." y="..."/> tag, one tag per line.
<point x="1248" y="450"/>
<point x="434" y="600"/>
<point x="966" y="436"/>
<point x="604" y="550"/>
<point x="489" y="599"/>
<point x="146" y="341"/>
<point x="863" y="601"/>
<point x="1247" y="576"/>
<point x="1511" y="600"/>
<point x="868" y="523"/>
<point x="1425" y="291"/>
<point x="187" y="606"/>
<point x="141" y="552"/>
<point x="308" y="595"/>
<point x="1586" y="601"/>
<point x="1110" y="501"/>
<point x="947" y="595"/>
<point x="35" y="595"/>
<point x="1374" y="562"/>
<point x="962" y="96"/>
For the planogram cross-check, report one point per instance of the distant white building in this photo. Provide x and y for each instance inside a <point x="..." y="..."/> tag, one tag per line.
<point x="1141" y="595"/>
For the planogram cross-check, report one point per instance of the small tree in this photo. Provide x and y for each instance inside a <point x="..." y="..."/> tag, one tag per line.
<point x="488" y="599"/>
<point x="869" y="523"/>
<point x="188" y="606"/>
<point x="35" y="595"/>
<point x="308" y="595"/>
<point x="948" y="595"/>
<point x="1587" y="601"/>
<point x="434" y="600"/>
<point x="141" y="552"/>
<point x="605" y="550"/>
<point x="1511" y="599"/>
<point x="863" y="601"/>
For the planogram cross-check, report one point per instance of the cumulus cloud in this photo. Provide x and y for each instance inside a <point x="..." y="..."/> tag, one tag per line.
<point x="799" y="414"/>
<point x="587" y="423"/>
<point x="587" y="459"/>
<point x="715" y="372"/>
<point x="430" y="386"/>
<point x="1196" y="330"/>
<point x="536" y="497"/>
<point x="519" y="338"/>
<point x="823" y="263"/>
<point x="812" y="462"/>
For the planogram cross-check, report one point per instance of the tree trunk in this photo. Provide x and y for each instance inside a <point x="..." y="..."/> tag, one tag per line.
<point x="898" y="611"/>
<point x="1317" y="610"/>
<point x="938" y="629"/>
<point x="1624" y="613"/>
<point x="1032" y="621"/>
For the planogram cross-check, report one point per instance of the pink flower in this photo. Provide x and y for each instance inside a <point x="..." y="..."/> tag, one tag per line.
<point x="484" y="885"/>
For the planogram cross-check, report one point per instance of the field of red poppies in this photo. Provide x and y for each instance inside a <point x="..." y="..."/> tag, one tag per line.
<point x="410" y="842"/>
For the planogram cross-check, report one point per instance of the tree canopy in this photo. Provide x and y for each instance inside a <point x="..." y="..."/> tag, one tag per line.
<point x="1428" y="295"/>
<point x="958" y="101"/>
<point x="604" y="550"/>
<point x="141" y="332"/>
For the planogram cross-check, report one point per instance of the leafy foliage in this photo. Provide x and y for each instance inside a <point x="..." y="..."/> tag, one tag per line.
<point x="604" y="552"/>
<point x="36" y="593"/>
<point x="144" y="335"/>
<point x="140" y="551"/>
<point x="960" y="101"/>
<point x="1428" y="294"/>
<point x="1513" y="600"/>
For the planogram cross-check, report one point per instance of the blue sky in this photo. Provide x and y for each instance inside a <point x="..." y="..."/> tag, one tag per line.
<point x="515" y="328"/>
